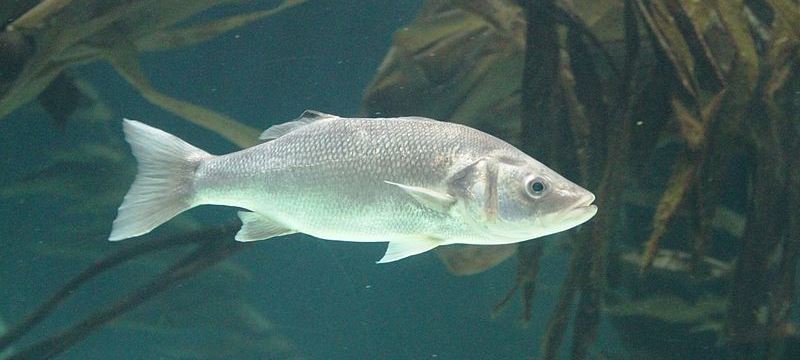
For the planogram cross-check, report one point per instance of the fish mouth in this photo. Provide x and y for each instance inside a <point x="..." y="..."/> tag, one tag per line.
<point x="584" y="209"/>
<point x="585" y="201"/>
<point x="569" y="217"/>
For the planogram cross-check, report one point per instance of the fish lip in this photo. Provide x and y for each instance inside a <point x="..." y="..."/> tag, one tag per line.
<point x="585" y="201"/>
<point x="584" y="208"/>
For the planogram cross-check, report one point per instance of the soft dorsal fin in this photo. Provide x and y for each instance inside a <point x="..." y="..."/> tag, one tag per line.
<point x="307" y="117"/>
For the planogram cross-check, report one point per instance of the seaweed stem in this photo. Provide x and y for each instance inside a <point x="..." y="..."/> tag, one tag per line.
<point x="557" y="323"/>
<point x="674" y="196"/>
<point x="36" y="16"/>
<point x="211" y="251"/>
<point x="569" y="19"/>
<point x="99" y="267"/>
<point x="125" y="61"/>
<point x="528" y="256"/>
<point x="540" y="73"/>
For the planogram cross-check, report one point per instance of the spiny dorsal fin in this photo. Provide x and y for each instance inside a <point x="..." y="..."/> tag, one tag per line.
<point x="307" y="117"/>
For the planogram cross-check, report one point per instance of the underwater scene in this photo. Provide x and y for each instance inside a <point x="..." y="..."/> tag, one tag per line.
<point x="407" y="179"/>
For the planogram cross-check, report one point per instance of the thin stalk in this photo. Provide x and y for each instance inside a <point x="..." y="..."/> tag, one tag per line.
<point x="210" y="252"/>
<point x="99" y="267"/>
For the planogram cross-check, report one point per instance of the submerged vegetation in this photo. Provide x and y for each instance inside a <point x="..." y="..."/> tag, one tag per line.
<point x="42" y="41"/>
<point x="683" y="110"/>
<point x="682" y="116"/>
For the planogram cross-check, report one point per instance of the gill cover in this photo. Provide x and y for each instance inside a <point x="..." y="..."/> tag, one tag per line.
<point x="476" y="185"/>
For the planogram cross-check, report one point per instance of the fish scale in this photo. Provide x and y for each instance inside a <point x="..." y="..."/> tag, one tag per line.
<point x="415" y="182"/>
<point x="328" y="178"/>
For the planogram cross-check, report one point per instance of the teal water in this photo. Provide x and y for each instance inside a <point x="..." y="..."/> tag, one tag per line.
<point x="327" y="300"/>
<point x="298" y="297"/>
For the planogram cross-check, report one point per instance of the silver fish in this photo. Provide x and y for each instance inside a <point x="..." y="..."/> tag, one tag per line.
<point x="414" y="182"/>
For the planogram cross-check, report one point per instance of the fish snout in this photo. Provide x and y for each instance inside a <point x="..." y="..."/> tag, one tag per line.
<point x="582" y="207"/>
<point x="585" y="200"/>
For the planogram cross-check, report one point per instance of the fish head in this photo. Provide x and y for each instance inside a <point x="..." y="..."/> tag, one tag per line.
<point x="513" y="199"/>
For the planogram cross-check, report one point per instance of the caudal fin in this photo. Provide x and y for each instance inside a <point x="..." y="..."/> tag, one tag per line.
<point x="163" y="184"/>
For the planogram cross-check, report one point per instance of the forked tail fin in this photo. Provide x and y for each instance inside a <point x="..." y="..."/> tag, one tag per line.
<point x="163" y="184"/>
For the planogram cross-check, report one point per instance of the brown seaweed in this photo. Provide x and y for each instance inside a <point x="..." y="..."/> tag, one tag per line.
<point x="702" y="110"/>
<point x="209" y="251"/>
<point x="68" y="33"/>
<point x="711" y="84"/>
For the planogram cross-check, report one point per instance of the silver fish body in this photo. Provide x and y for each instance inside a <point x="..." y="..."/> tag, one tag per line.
<point x="417" y="183"/>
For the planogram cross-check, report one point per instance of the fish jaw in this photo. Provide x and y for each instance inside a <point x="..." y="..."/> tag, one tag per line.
<point x="580" y="212"/>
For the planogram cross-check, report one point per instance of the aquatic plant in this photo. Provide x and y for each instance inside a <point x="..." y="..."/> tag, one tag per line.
<point x="681" y="109"/>
<point x="683" y="113"/>
<point x="99" y="164"/>
<point x="44" y="39"/>
<point x="36" y="52"/>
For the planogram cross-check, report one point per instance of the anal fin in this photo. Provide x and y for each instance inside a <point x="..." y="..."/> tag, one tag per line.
<point x="404" y="248"/>
<point x="258" y="227"/>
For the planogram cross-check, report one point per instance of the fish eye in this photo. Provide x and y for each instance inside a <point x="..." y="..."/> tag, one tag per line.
<point x="535" y="187"/>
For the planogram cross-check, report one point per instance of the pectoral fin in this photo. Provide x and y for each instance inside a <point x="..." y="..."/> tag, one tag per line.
<point x="427" y="197"/>
<point x="404" y="248"/>
<point x="259" y="227"/>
